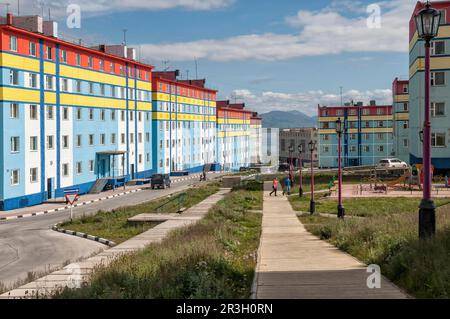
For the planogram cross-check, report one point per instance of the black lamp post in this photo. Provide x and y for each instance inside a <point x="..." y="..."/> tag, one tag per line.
<point x="427" y="24"/>
<point x="339" y="131"/>
<point x="291" y="151"/>
<point x="300" y="167"/>
<point x="312" y="204"/>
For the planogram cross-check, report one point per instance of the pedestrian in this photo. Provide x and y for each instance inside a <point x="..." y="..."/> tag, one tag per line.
<point x="274" y="187"/>
<point x="287" y="186"/>
<point x="446" y="181"/>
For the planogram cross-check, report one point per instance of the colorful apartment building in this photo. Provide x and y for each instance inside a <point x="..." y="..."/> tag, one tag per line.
<point x="70" y="114"/>
<point x="294" y="137"/>
<point x="400" y="108"/>
<point x="367" y="139"/>
<point x="255" y="139"/>
<point x="439" y="92"/>
<point x="184" y="124"/>
<point x="233" y="135"/>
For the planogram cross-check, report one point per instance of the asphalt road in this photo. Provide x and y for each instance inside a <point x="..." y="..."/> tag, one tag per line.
<point x="29" y="244"/>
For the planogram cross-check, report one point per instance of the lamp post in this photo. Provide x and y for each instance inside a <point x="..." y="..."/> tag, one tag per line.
<point x="291" y="150"/>
<point x="300" y="167"/>
<point x="312" y="204"/>
<point x="339" y="131"/>
<point x="427" y="24"/>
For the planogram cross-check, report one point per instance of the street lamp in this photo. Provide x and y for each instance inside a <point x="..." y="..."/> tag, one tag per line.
<point x="300" y="165"/>
<point x="427" y="24"/>
<point x="339" y="131"/>
<point x="291" y="150"/>
<point x="312" y="204"/>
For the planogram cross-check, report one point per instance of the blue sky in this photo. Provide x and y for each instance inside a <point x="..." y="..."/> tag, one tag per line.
<point x="283" y="54"/>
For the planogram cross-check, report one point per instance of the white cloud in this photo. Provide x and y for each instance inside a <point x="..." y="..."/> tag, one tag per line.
<point x="306" y="102"/>
<point x="319" y="33"/>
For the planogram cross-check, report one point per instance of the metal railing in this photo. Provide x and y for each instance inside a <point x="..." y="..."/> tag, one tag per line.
<point x="179" y="200"/>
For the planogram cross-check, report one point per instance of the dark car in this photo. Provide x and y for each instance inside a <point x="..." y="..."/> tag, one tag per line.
<point x="160" y="181"/>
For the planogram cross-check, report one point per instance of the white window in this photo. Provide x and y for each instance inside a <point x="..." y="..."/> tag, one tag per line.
<point x="79" y="113"/>
<point x="102" y="115"/>
<point x="91" y="139"/>
<point x="437" y="78"/>
<point x="64" y="85"/>
<point x="437" y="47"/>
<point x="102" y="65"/>
<point x="102" y="89"/>
<point x="102" y="139"/>
<point x="65" y="113"/>
<point x="353" y="148"/>
<point x="13" y="43"/>
<point x="131" y="138"/>
<point x="64" y="56"/>
<point x="15" y="177"/>
<point x="78" y="60"/>
<point x="443" y="17"/>
<point x="438" y="109"/>
<point x="33" y="82"/>
<point x="50" y="142"/>
<point x="33" y="175"/>
<point x="33" y="112"/>
<point x="65" y="141"/>
<point x="32" y="47"/>
<point x="49" y="53"/>
<point x="90" y="62"/>
<point x="91" y="166"/>
<point x="405" y="142"/>
<point x="49" y="82"/>
<point x="113" y="138"/>
<point x="405" y="124"/>
<point x="91" y="114"/>
<point x="366" y="149"/>
<point x="14" y="110"/>
<point x="122" y="138"/>
<point x="438" y="140"/>
<point x="140" y="158"/>
<point x="78" y="86"/>
<point x="49" y="112"/>
<point x="33" y="143"/>
<point x="113" y="115"/>
<point x="122" y="116"/>
<point x="139" y="137"/>
<point x="79" y="168"/>
<point x="15" y="144"/>
<point x="65" y="169"/>
<point x="14" y="77"/>
<point x="91" y="88"/>
<point x="79" y="140"/>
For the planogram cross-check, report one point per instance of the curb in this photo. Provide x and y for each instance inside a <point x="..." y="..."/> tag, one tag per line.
<point x="67" y="206"/>
<point x="83" y="235"/>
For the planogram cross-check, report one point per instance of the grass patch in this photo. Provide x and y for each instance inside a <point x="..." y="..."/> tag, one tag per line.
<point x="214" y="258"/>
<point x="113" y="224"/>
<point x="422" y="268"/>
<point x="363" y="207"/>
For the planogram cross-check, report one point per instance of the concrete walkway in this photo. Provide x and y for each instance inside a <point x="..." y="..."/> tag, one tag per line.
<point x="294" y="264"/>
<point x="76" y="274"/>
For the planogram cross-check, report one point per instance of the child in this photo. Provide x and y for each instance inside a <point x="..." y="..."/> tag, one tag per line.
<point x="274" y="187"/>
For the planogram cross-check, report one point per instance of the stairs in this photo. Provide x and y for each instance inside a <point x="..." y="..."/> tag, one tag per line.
<point x="98" y="186"/>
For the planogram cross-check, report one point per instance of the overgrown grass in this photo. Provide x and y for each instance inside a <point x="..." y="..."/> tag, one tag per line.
<point x="422" y="268"/>
<point x="214" y="258"/>
<point x="113" y="224"/>
<point x="363" y="207"/>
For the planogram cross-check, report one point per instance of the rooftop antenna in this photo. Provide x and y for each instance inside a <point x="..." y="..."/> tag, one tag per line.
<point x="187" y="74"/>
<point x="342" y="102"/>
<point x="18" y="7"/>
<point x="49" y="15"/>
<point x="196" y="68"/>
<point x="165" y="62"/>
<point x="124" y="36"/>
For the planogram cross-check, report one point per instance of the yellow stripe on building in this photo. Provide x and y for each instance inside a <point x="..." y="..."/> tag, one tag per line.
<point x="82" y="100"/>
<point x="159" y="96"/>
<point x="401" y="98"/>
<point x="88" y="75"/>
<point x="223" y="134"/>
<point x="401" y="116"/>
<point x="20" y="95"/>
<point x="19" y="62"/>
<point x="233" y="121"/>
<point x="377" y="130"/>
<point x="141" y="85"/>
<point x="435" y="63"/>
<point x="50" y="97"/>
<point x="444" y="32"/>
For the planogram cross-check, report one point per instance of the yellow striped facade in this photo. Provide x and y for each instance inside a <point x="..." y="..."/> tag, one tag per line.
<point x="165" y="116"/>
<point x="159" y="96"/>
<point x="401" y="98"/>
<point x="401" y="116"/>
<point x="233" y="121"/>
<point x="364" y="130"/>
<point x="223" y="134"/>
<point x="354" y="118"/>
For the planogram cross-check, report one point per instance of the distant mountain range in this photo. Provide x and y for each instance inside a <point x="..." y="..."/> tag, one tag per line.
<point x="291" y="119"/>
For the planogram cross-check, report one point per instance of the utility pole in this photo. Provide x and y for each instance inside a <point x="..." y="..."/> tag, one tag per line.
<point x="342" y="101"/>
<point x="124" y="36"/>
<point x="196" y="68"/>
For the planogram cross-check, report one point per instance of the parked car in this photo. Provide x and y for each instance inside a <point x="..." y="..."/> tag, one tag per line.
<point x="160" y="181"/>
<point x="392" y="163"/>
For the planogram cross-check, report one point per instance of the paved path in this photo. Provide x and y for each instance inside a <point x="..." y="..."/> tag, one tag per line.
<point x="79" y="272"/>
<point x="293" y="264"/>
<point x="29" y="244"/>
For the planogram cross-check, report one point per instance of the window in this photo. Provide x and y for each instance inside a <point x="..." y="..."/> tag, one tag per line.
<point x="91" y="139"/>
<point x="111" y="67"/>
<point x="380" y="136"/>
<point x="380" y="148"/>
<point x="65" y="141"/>
<point x="14" y="177"/>
<point x="78" y="60"/>
<point x="33" y="112"/>
<point x="49" y="55"/>
<point x="140" y="117"/>
<point x="102" y="139"/>
<point x="122" y="138"/>
<point x="78" y="86"/>
<point x="91" y="88"/>
<point x="33" y="143"/>
<point x="437" y="78"/>
<point x="79" y="140"/>
<point x="131" y="138"/>
<point x="122" y="116"/>
<point x="33" y="175"/>
<point x="79" y="168"/>
<point x="405" y="124"/>
<point x="15" y="144"/>
<point x="14" y="77"/>
<point x="65" y="113"/>
<point x="65" y="85"/>
<point x="79" y="114"/>
<point x="406" y="106"/>
<point x="438" y="140"/>
<point x="366" y="149"/>
<point x="91" y="166"/>
<point x="148" y="157"/>
<point x="32" y="47"/>
<point x="113" y="115"/>
<point x="14" y="110"/>
<point x="113" y="138"/>
<point x="147" y="137"/>
<point x="353" y="148"/>
<point x="443" y="17"/>
<point x="65" y="169"/>
<point x="139" y="137"/>
<point x="113" y="91"/>
<point x="50" y="145"/>
<point x="13" y="43"/>
<point x="91" y="114"/>
<point x="366" y="112"/>
<point x="90" y="62"/>
<point x="380" y="123"/>
<point x="49" y="112"/>
<point x="380" y="111"/>
<point x="437" y="109"/>
<point x="131" y="115"/>
<point x="33" y="83"/>
<point x="49" y="82"/>
<point x="437" y="47"/>
<point x="102" y="89"/>
<point x="102" y="65"/>
<point x="64" y="56"/>
<point x="140" y="158"/>
<point x="102" y="115"/>
<point x="405" y="142"/>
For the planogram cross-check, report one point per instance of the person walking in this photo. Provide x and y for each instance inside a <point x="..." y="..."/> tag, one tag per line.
<point x="274" y="187"/>
<point x="446" y="181"/>
<point x="287" y="186"/>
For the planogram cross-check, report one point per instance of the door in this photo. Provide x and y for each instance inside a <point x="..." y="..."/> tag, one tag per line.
<point x="49" y="188"/>
<point x="132" y="171"/>
<point x="102" y="168"/>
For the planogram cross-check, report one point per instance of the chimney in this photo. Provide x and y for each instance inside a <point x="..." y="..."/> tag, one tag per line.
<point x="131" y="53"/>
<point x="9" y="19"/>
<point x="51" y="28"/>
<point x="29" y="23"/>
<point x="373" y="103"/>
